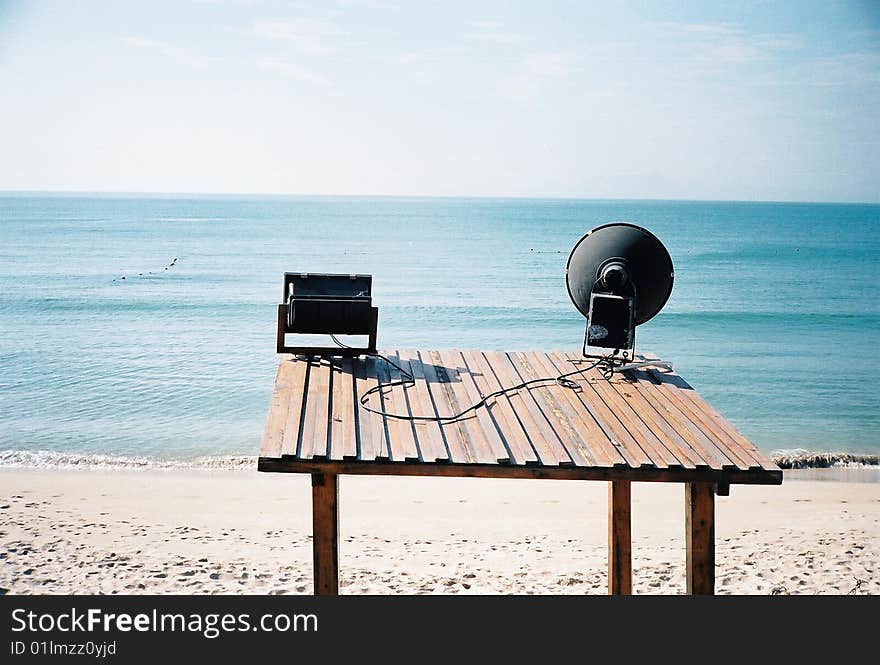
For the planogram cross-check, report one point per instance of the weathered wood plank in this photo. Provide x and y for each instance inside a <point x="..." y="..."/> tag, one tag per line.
<point x="437" y="382"/>
<point x="603" y="447"/>
<point x="479" y="449"/>
<point x="547" y="445"/>
<point x="429" y="437"/>
<point x="623" y="441"/>
<point x="371" y="426"/>
<point x="314" y="438"/>
<point x="594" y="443"/>
<point x="290" y="439"/>
<point x="619" y="538"/>
<point x="278" y="408"/>
<point x="529" y="369"/>
<point x="700" y="538"/>
<point x="672" y="388"/>
<point x="595" y="440"/>
<point x="400" y="431"/>
<point x="692" y="439"/>
<point x="515" y="437"/>
<point x="349" y="410"/>
<point x="723" y="435"/>
<point x="362" y="417"/>
<point x="665" y="443"/>
<point x="339" y="411"/>
<point x="641" y="435"/>
<point x="497" y="450"/>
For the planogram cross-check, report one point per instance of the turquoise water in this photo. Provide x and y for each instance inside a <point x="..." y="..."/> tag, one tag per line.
<point x="775" y="315"/>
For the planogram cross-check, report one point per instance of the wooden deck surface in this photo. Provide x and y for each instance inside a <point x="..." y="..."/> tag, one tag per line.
<point x="644" y="424"/>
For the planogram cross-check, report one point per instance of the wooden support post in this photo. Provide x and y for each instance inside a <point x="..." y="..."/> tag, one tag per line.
<point x="325" y="533"/>
<point x="700" y="538"/>
<point x="619" y="538"/>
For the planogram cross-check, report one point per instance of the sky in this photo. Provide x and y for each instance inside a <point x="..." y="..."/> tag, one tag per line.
<point x="669" y="100"/>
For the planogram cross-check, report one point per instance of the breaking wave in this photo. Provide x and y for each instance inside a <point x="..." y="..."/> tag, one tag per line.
<point x="44" y="459"/>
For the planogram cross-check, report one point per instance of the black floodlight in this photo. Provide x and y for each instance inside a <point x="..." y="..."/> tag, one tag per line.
<point x="618" y="276"/>
<point x="326" y="304"/>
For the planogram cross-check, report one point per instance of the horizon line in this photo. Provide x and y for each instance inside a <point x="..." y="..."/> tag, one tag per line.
<point x="181" y="194"/>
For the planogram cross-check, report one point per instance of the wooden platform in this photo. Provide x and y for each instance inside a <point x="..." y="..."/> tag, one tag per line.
<point x="641" y="425"/>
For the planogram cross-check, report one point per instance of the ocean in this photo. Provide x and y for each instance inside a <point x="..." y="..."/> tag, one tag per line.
<point x="774" y="317"/>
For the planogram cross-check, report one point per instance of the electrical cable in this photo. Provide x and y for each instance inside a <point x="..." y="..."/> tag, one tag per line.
<point x="561" y="380"/>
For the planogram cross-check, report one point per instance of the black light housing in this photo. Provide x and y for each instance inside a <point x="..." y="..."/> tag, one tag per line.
<point x="327" y="304"/>
<point x="618" y="276"/>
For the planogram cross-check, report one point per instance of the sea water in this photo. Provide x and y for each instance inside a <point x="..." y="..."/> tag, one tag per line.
<point x="109" y="347"/>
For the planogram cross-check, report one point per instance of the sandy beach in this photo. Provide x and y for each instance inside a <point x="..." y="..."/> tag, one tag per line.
<point x="110" y="531"/>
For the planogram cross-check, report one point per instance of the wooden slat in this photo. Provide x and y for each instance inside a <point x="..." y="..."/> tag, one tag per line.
<point x="378" y="424"/>
<point x="624" y="443"/>
<point x="702" y="415"/>
<point x="528" y="368"/>
<point x="646" y="440"/>
<point x="547" y="444"/>
<point x="365" y="421"/>
<point x="314" y="438"/>
<point x="499" y="366"/>
<point x="647" y="449"/>
<point x="672" y="395"/>
<point x="373" y="436"/>
<point x="666" y="442"/>
<point x="429" y="437"/>
<point x="349" y="406"/>
<point x="490" y="432"/>
<point x="400" y="432"/>
<point x="515" y="437"/>
<point x="692" y="438"/>
<point x="738" y="443"/>
<point x="278" y="407"/>
<point x="293" y="424"/>
<point x="595" y="444"/>
<point x="479" y="449"/>
<point x="722" y="434"/>
<point x="438" y="386"/>
<point x="338" y="413"/>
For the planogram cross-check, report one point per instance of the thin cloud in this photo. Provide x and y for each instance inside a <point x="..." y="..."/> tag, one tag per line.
<point x="311" y="36"/>
<point x="843" y="69"/>
<point x="701" y="28"/>
<point x="183" y="55"/>
<point x="724" y="43"/>
<point x="491" y="32"/>
<point x="293" y="71"/>
<point x="536" y="69"/>
<point x="367" y="4"/>
<point x="429" y="55"/>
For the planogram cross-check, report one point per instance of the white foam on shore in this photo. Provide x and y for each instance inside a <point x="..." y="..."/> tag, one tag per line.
<point x="45" y="459"/>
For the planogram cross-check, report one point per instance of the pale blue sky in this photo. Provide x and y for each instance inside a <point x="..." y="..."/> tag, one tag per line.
<point x="693" y="100"/>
